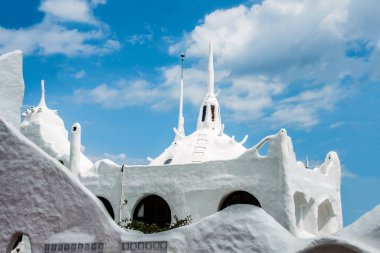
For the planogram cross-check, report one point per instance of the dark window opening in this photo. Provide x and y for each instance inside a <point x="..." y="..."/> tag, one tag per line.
<point x="19" y="239"/>
<point x="239" y="197"/>
<point x="153" y="209"/>
<point x="168" y="161"/>
<point x="21" y="244"/>
<point x="108" y="206"/>
<point x="204" y="113"/>
<point x="74" y="128"/>
<point x="213" y="112"/>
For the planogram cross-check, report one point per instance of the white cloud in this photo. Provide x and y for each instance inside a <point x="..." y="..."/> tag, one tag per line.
<point x="139" y="39"/>
<point x="139" y="92"/>
<point x="119" y="159"/>
<point x="121" y="156"/>
<point x="347" y="173"/>
<point x="53" y="36"/>
<point x="301" y="110"/>
<point x="301" y="44"/>
<point x="68" y="10"/>
<point x="282" y="62"/>
<point x="98" y="2"/>
<point x="125" y="94"/>
<point x="80" y="74"/>
<point x="337" y="124"/>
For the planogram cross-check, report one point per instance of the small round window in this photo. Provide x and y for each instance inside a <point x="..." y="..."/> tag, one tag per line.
<point x="168" y="161"/>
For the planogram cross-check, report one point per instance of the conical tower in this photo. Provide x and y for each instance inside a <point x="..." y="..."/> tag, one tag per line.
<point x="209" y="114"/>
<point x="42" y="103"/>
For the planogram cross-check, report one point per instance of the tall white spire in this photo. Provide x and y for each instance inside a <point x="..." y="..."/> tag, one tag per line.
<point x="181" y="120"/>
<point x="42" y="101"/>
<point x="211" y="71"/>
<point x="209" y="114"/>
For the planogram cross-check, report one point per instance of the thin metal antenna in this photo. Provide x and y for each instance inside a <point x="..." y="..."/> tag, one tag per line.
<point x="182" y="59"/>
<point x="181" y="120"/>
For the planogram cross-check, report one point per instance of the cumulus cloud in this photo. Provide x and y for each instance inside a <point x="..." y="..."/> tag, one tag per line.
<point x="301" y="52"/>
<point x="283" y="62"/>
<point x="140" y="92"/>
<point x="53" y="35"/>
<point x="68" y="10"/>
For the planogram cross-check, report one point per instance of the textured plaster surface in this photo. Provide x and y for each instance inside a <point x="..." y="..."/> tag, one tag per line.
<point x="45" y="128"/>
<point x="199" y="189"/>
<point x="11" y="87"/>
<point x="42" y="199"/>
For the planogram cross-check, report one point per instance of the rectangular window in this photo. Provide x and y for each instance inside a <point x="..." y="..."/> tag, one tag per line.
<point x="204" y="113"/>
<point x="212" y="112"/>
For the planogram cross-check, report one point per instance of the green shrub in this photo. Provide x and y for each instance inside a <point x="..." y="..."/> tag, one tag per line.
<point x="154" y="228"/>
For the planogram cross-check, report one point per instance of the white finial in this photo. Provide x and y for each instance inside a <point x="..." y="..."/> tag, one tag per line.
<point x="211" y="71"/>
<point x="42" y="101"/>
<point x="181" y="120"/>
<point x="75" y="146"/>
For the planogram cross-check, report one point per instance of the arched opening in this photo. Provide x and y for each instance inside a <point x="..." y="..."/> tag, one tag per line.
<point x="108" y="206"/>
<point x="168" y="161"/>
<point x="153" y="209"/>
<point x="21" y="244"/>
<point x="333" y="248"/>
<point x="239" y="197"/>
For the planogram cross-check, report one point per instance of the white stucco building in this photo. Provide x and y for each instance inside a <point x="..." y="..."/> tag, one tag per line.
<point x="202" y="173"/>
<point x="45" y="208"/>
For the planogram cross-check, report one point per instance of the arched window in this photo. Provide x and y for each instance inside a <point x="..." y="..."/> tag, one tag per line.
<point x="331" y="247"/>
<point x="153" y="209"/>
<point x="108" y="206"/>
<point x="239" y="197"/>
<point x="168" y="161"/>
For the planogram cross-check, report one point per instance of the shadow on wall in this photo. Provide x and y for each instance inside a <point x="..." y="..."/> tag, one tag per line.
<point x="332" y="249"/>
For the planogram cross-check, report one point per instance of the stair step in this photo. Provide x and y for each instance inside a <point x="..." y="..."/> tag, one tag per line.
<point x="201" y="141"/>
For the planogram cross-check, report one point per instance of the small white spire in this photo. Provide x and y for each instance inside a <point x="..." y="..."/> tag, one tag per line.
<point x="211" y="71"/>
<point x="75" y="152"/>
<point x="42" y="101"/>
<point x="181" y="120"/>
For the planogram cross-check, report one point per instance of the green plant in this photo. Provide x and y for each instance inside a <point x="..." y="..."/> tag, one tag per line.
<point x="147" y="228"/>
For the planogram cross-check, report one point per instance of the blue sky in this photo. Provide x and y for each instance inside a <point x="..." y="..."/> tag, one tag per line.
<point x="312" y="67"/>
